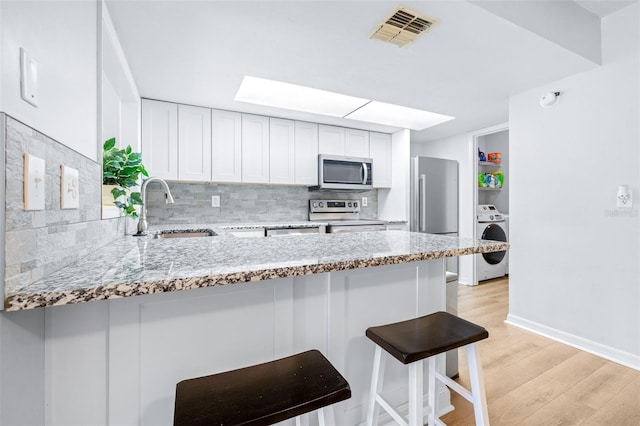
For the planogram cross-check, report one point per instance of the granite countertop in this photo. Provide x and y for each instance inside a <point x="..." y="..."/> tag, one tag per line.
<point x="135" y="266"/>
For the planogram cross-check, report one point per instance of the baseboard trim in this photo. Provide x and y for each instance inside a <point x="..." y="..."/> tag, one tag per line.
<point x="624" y="358"/>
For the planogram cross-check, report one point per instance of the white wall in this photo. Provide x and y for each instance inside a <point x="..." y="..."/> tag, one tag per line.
<point x="574" y="270"/>
<point x="459" y="148"/>
<point x="61" y="36"/>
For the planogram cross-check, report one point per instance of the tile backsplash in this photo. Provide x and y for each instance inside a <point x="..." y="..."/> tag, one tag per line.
<point x="241" y="203"/>
<point x="42" y="241"/>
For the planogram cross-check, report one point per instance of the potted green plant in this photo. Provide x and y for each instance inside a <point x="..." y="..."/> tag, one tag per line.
<point x="122" y="168"/>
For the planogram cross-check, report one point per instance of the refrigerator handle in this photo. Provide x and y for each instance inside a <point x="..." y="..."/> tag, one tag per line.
<point x="422" y="205"/>
<point x="365" y="173"/>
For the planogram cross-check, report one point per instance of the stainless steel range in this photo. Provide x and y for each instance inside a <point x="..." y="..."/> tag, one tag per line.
<point x="342" y="216"/>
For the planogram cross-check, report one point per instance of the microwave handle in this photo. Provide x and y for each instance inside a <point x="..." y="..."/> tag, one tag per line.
<point x="365" y="173"/>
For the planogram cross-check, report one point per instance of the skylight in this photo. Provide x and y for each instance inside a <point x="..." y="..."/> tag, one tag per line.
<point x="300" y="98"/>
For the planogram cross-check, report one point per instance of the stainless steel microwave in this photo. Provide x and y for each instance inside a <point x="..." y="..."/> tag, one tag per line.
<point x="340" y="173"/>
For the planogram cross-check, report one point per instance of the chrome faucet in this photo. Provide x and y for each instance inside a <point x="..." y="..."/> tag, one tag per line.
<point x="142" y="220"/>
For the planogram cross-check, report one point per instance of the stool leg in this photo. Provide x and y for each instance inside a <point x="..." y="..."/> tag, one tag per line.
<point x="377" y="375"/>
<point x="432" y="398"/>
<point x="477" y="386"/>
<point x="416" y="378"/>
<point x="321" y="417"/>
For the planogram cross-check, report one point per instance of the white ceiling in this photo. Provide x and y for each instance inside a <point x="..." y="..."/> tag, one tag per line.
<point x="603" y="8"/>
<point x="197" y="52"/>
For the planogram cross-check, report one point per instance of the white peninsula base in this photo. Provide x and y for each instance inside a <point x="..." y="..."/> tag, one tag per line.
<point x="117" y="362"/>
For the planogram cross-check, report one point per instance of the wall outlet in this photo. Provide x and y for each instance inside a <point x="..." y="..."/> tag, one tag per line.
<point x="215" y="201"/>
<point x="365" y="202"/>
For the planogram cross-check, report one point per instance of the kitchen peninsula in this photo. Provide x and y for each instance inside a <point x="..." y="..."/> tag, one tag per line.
<point x="249" y="301"/>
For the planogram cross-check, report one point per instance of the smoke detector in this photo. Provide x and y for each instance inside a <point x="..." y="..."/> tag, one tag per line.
<point x="402" y="27"/>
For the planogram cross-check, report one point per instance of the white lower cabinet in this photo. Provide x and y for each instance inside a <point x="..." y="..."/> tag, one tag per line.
<point x="255" y="148"/>
<point x="380" y="152"/>
<point x="160" y="138"/>
<point x="194" y="143"/>
<point x="226" y="143"/>
<point x="281" y="151"/>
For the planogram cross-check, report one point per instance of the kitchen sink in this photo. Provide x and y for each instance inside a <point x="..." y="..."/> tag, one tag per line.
<point x="185" y="233"/>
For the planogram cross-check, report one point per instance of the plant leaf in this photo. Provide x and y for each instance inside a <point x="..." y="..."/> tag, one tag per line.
<point x="118" y="192"/>
<point x="108" y="144"/>
<point x="136" y="198"/>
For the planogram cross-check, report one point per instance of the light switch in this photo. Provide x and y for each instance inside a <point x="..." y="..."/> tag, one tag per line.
<point x="28" y="78"/>
<point x="33" y="180"/>
<point x="69" y="188"/>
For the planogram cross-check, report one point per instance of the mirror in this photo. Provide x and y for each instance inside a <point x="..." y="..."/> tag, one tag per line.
<point x="119" y="103"/>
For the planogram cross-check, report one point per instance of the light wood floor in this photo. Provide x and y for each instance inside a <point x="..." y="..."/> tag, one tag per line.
<point x="532" y="380"/>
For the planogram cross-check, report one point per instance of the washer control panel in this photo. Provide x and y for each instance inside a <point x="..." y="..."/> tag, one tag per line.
<point x="489" y="213"/>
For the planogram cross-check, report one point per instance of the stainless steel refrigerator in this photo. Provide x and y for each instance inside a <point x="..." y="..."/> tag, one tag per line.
<point x="434" y="210"/>
<point x="434" y="195"/>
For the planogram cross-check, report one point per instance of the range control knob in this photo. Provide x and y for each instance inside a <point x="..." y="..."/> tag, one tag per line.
<point x="315" y="204"/>
<point x="349" y="204"/>
<point x="321" y="204"/>
<point x="491" y="217"/>
<point x="355" y="204"/>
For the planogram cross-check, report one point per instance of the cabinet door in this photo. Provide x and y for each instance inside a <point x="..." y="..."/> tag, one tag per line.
<point x="331" y="140"/>
<point x="380" y="152"/>
<point x="160" y="138"/>
<point x="356" y="143"/>
<point x="194" y="143"/>
<point x="255" y="148"/>
<point x="226" y="146"/>
<point x="306" y="153"/>
<point x="281" y="150"/>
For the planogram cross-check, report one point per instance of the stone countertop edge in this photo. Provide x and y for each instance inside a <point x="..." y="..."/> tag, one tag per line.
<point x="124" y="273"/>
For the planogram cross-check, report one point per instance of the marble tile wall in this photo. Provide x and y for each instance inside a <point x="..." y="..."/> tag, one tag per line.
<point x="241" y="203"/>
<point x="40" y="242"/>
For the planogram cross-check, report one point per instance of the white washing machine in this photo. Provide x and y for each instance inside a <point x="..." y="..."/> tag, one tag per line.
<point x="491" y="225"/>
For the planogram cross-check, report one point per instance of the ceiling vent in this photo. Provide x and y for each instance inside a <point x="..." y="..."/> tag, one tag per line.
<point x="402" y="27"/>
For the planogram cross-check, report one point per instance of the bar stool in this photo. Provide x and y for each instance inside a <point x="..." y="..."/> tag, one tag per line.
<point x="414" y="340"/>
<point x="262" y="394"/>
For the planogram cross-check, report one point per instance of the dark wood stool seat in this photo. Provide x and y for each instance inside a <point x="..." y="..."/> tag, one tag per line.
<point x="420" y="338"/>
<point x="261" y="394"/>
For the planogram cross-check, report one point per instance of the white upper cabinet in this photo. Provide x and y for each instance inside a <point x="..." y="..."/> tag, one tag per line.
<point x="380" y="152"/>
<point x="331" y="139"/>
<point x="194" y="143"/>
<point x="281" y="151"/>
<point x="356" y="143"/>
<point x="226" y="143"/>
<point x="306" y="153"/>
<point x="160" y="138"/>
<point x="255" y="148"/>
